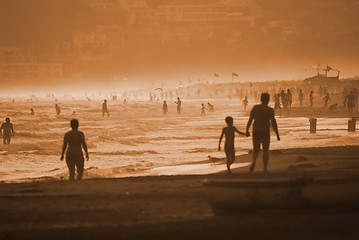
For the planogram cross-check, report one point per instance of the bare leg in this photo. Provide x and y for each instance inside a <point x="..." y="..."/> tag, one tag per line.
<point x="71" y="166"/>
<point x="256" y="148"/>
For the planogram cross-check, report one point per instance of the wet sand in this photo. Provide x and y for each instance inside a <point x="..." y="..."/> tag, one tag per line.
<point x="173" y="207"/>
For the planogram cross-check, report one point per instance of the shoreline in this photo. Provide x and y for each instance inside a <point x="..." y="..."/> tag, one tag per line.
<point x="208" y="168"/>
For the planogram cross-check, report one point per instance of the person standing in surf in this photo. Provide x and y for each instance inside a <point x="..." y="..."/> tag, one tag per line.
<point x="229" y="132"/>
<point x="262" y="115"/>
<point x="75" y="140"/>
<point x="179" y="105"/>
<point x="6" y="130"/>
<point x="164" y="108"/>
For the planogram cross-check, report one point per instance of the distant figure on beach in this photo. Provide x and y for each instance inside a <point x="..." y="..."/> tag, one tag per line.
<point x="289" y="98"/>
<point x="105" y="109"/>
<point x="179" y="103"/>
<point x="245" y="103"/>
<point x="75" y="140"/>
<point x="356" y="95"/>
<point x="165" y="108"/>
<point x="6" y="130"/>
<point x="311" y="98"/>
<point x="350" y="102"/>
<point x="58" y="109"/>
<point x="301" y="97"/>
<point x="229" y="132"/>
<point x="32" y="112"/>
<point x="73" y="113"/>
<point x="210" y="107"/>
<point x="262" y="115"/>
<point x="326" y="100"/>
<point x="203" y="112"/>
<point x="277" y="105"/>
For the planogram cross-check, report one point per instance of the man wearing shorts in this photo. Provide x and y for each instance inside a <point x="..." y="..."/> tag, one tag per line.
<point x="262" y="116"/>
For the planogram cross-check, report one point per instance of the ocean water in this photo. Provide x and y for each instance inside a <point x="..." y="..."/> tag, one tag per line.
<point x="137" y="139"/>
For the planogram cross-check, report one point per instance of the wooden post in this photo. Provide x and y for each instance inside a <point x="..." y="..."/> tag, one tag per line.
<point x="313" y="125"/>
<point x="352" y="125"/>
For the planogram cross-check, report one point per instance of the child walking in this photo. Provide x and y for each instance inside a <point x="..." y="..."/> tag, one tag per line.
<point x="229" y="132"/>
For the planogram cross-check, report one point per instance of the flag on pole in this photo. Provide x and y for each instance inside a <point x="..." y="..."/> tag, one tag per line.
<point x="216" y="75"/>
<point x="234" y="74"/>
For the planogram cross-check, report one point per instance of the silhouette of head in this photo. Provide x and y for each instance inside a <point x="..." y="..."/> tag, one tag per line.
<point x="265" y="98"/>
<point x="7" y="120"/>
<point x="105" y="100"/>
<point x="74" y="124"/>
<point x="178" y="98"/>
<point x="229" y="121"/>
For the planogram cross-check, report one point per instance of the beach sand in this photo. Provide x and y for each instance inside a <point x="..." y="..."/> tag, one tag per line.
<point x="174" y="207"/>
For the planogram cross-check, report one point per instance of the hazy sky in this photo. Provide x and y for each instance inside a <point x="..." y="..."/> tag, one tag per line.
<point x="283" y="40"/>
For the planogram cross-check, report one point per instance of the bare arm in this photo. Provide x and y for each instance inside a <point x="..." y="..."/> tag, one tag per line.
<point x="12" y="130"/>
<point x="240" y="133"/>
<point x="85" y="146"/>
<point x="64" y="147"/>
<point x="250" y="120"/>
<point x="1" y="129"/>
<point x="220" y="140"/>
<point x="275" y="126"/>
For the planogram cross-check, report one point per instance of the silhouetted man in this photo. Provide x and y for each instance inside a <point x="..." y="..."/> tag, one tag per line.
<point x="104" y="108"/>
<point x="350" y="102"/>
<point x="74" y="156"/>
<point x="262" y="116"/>
<point x="301" y="97"/>
<point x="179" y="103"/>
<point x="6" y="130"/>
<point x="165" y="108"/>
<point x="245" y="103"/>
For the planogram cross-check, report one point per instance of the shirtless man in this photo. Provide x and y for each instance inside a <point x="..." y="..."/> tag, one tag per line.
<point x="6" y="130"/>
<point x="74" y="156"/>
<point x="262" y="116"/>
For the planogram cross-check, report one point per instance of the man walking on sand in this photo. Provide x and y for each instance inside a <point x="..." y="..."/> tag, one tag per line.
<point x="262" y="116"/>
